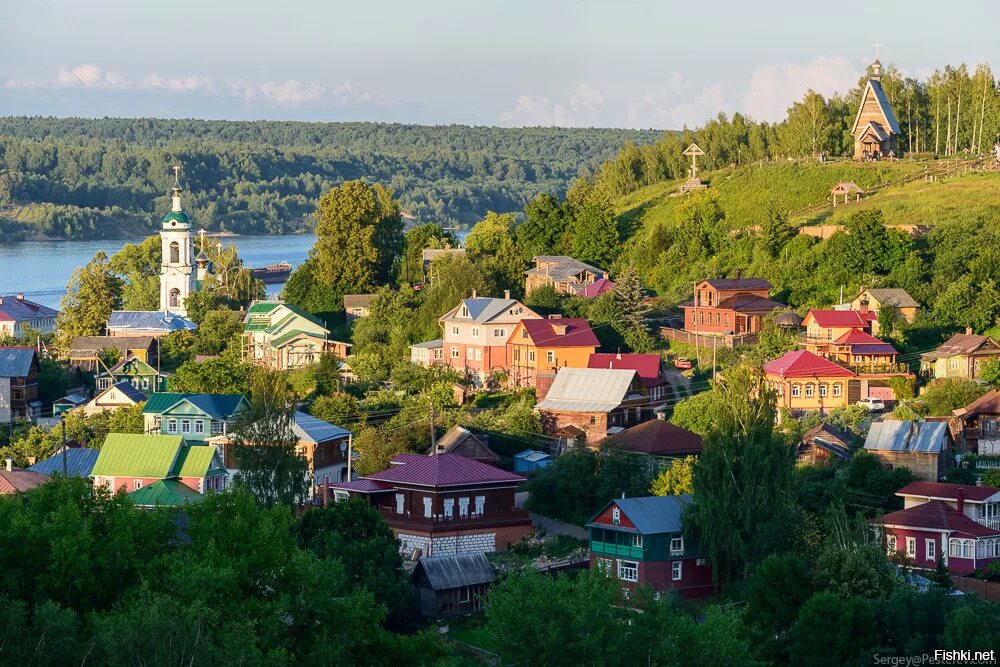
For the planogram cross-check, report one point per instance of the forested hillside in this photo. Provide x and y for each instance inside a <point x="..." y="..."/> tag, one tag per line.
<point x="92" y="178"/>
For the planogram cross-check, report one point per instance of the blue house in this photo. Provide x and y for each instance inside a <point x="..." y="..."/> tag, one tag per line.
<point x="531" y="461"/>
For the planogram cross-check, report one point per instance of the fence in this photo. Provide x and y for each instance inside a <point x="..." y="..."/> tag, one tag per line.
<point x="708" y="340"/>
<point x="987" y="590"/>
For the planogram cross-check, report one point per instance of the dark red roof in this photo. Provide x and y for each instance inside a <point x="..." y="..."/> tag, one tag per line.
<point x="802" y="363"/>
<point x="20" y="479"/>
<point x="599" y="286"/>
<point x="862" y="342"/>
<point x="578" y="332"/>
<point x="842" y="318"/>
<point x="646" y="365"/>
<point x="938" y="515"/>
<point x="729" y="284"/>
<point x="749" y="303"/>
<point x="658" y="437"/>
<point x="987" y="404"/>
<point x="361" y="486"/>
<point x="950" y="491"/>
<point x="442" y="470"/>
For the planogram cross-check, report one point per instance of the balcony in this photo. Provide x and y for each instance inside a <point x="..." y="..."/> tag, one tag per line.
<point x="455" y="522"/>
<point x="612" y="549"/>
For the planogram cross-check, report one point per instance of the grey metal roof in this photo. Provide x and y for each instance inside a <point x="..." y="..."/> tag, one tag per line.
<point x="142" y="320"/>
<point x="21" y="310"/>
<point x="484" y="309"/>
<point x="652" y="514"/>
<point x="588" y="389"/>
<point x="446" y="572"/>
<point x="128" y="390"/>
<point x="79" y="462"/>
<point x="94" y="344"/>
<point x="894" y="295"/>
<point x="312" y="429"/>
<point x="15" y="362"/>
<point x="562" y="267"/>
<point x="532" y="455"/>
<point x="429" y="344"/>
<point x="907" y="436"/>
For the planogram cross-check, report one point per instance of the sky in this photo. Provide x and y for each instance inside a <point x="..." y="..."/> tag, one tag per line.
<point x="611" y="63"/>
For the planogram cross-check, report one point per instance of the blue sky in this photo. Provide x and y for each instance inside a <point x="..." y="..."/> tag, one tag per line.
<point x="622" y="63"/>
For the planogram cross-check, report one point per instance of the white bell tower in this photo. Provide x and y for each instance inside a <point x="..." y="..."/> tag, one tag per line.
<point x="177" y="268"/>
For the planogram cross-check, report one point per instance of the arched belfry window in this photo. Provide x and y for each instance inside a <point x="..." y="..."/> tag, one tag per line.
<point x="175" y="252"/>
<point x="175" y="298"/>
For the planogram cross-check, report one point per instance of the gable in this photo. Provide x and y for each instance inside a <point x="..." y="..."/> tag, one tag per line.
<point x="875" y="106"/>
<point x="606" y="518"/>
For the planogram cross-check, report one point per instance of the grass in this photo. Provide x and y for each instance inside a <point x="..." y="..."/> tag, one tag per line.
<point x="470" y="630"/>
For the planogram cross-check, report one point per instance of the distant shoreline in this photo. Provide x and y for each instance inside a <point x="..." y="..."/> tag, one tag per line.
<point x="39" y="237"/>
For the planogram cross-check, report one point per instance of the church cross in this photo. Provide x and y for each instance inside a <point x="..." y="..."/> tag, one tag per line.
<point x="177" y="174"/>
<point x="877" y="47"/>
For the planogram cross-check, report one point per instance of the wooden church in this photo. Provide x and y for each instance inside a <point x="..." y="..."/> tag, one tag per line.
<point x="875" y="128"/>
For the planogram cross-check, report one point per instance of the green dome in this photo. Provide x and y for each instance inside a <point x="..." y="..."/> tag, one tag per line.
<point x="178" y="217"/>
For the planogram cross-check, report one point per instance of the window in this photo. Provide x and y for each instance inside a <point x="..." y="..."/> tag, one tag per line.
<point x="399" y="503"/>
<point x="175" y="297"/>
<point x="676" y="570"/>
<point x="796" y="390"/>
<point x="428" y="506"/>
<point x="822" y="391"/>
<point x="628" y="570"/>
<point x="475" y="332"/>
<point x="930" y="549"/>
<point x="550" y="356"/>
<point x="171" y="425"/>
<point x="479" y="354"/>
<point x="836" y="390"/>
<point x="449" y="507"/>
<point x="199" y="427"/>
<point x="952" y="364"/>
<point x="138" y="484"/>
<point x="463" y="507"/>
<point x="465" y="312"/>
<point x="829" y="334"/>
<point x="524" y="333"/>
<point x="637" y="541"/>
<point x="500" y="333"/>
<point x="175" y="252"/>
<point x="616" y="516"/>
<point x="857" y="358"/>
<point x="454" y="331"/>
<point x="470" y="353"/>
<point x="890" y="541"/>
<point x="185" y="426"/>
<point x="517" y="354"/>
<point x="809" y="390"/>
<point x="454" y="353"/>
<point x="217" y="427"/>
<point x="531" y="355"/>
<point x="480" y="504"/>
<point x="911" y="546"/>
<point x="593" y="420"/>
<point x="676" y="546"/>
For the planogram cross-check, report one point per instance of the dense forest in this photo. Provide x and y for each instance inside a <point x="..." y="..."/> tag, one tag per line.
<point x="93" y="178"/>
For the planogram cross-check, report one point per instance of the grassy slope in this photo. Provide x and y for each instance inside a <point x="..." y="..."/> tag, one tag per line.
<point x="749" y="193"/>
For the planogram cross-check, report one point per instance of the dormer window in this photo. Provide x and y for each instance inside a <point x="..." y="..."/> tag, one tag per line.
<point x="465" y="311"/>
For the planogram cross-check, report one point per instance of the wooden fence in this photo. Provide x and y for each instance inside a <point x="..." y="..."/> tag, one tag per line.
<point x="708" y="340"/>
<point x="987" y="590"/>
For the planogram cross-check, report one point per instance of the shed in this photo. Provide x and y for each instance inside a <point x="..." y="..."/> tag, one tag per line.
<point x="530" y="461"/>
<point x="461" y="441"/>
<point x="450" y="585"/>
<point x="67" y="402"/>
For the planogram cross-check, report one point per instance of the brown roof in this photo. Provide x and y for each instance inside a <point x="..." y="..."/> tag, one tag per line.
<point x="358" y="300"/>
<point x="19" y="479"/>
<point x="659" y="438"/>
<point x="965" y="344"/>
<point x="740" y="283"/>
<point x="463" y="442"/>
<point x="91" y="345"/>
<point x="937" y="515"/>
<point x="987" y="404"/>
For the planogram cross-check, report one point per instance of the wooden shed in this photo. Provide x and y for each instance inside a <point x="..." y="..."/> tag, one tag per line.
<point x="451" y="585"/>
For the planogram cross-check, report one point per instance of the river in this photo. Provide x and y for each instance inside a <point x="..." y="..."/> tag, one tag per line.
<point x="41" y="269"/>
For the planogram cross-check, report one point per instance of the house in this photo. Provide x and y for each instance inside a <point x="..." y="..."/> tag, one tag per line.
<point x="18" y="480"/>
<point x="564" y="274"/>
<point x="859" y="349"/>
<point x="640" y="541"/>
<point x="961" y="356"/>
<point x="136" y="372"/>
<point x="281" y="336"/>
<point x="194" y="416"/>
<point x="805" y="381"/>
<point x="598" y="401"/>
<point x="451" y="585"/>
<point x="826" y="326"/>
<point x="920" y="446"/>
<point x="141" y="323"/>
<point x="18" y="384"/>
<point x="77" y="462"/>
<point x="542" y="346"/>
<point x="444" y="504"/>
<point x="18" y="314"/>
<point x="531" y="461"/>
<point x="875" y="129"/>
<point x="86" y="352"/>
<point x="116" y="396"/>
<point x="824" y="445"/>
<point x="978" y="425"/>
<point x="165" y="493"/>
<point x="461" y="441"/>
<point x="651" y="369"/>
<point x="128" y="462"/>
<point x="979" y="503"/>
<point x="905" y="305"/>
<point x="67" y="403"/>
<point x="476" y="333"/>
<point x="427" y="354"/>
<point x="729" y="306"/>
<point x="934" y="529"/>
<point x="658" y="437"/>
<point x="357" y="305"/>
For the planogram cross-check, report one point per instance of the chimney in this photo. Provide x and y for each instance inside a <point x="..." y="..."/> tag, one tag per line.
<point x="863" y="305"/>
<point x="506" y="294"/>
<point x="555" y="316"/>
<point x="20" y="296"/>
<point x="619" y="355"/>
<point x="739" y="273"/>
<point x="10" y="464"/>
<point x="960" y="499"/>
<point x="968" y="331"/>
<point x="473" y="294"/>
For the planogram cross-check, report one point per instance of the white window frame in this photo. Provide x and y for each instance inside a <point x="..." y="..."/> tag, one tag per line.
<point x="480" y="504"/>
<point x="475" y="332"/>
<point x="796" y="390"/>
<point x="930" y="549"/>
<point x="823" y="390"/>
<point x="911" y="547"/>
<point x="479" y="354"/>
<point x="676" y="570"/>
<point x="676" y="546"/>
<point x="199" y="427"/>
<point x="604" y="565"/>
<point x="531" y="355"/>
<point x="449" y="507"/>
<point x="137" y="484"/>
<point x="185" y="426"/>
<point x="500" y="333"/>
<point x="470" y="354"/>
<point x="400" y="499"/>
<point x="428" y="507"/>
<point x="890" y="542"/>
<point x="628" y="570"/>
<point x="454" y="352"/>
<point x="454" y="331"/>
<point x="637" y="541"/>
<point x="616" y="515"/>
<point x="550" y="356"/>
<point x="809" y="390"/>
<point x="171" y="425"/>
<point x="836" y="390"/>
<point x="463" y="507"/>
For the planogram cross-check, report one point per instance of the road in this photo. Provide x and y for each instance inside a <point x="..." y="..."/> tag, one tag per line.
<point x="551" y="526"/>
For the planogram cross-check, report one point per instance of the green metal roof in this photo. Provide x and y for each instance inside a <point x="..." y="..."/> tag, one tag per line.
<point x="294" y="333"/>
<point x="176" y="216"/>
<point x="193" y="461"/>
<point x="216" y="406"/>
<point x="137" y="455"/>
<point x="162" y="400"/>
<point x="166" y="493"/>
<point x="262" y="307"/>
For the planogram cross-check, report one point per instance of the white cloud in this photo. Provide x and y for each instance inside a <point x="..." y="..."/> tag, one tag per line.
<point x="680" y="103"/>
<point x="89" y="76"/>
<point x="179" y="84"/>
<point x="584" y="107"/>
<point x="773" y="88"/>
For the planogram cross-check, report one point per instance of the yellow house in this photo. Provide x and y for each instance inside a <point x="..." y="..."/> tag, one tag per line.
<point x="961" y="356"/>
<point x="906" y="306"/>
<point x="547" y="345"/>
<point x="805" y="381"/>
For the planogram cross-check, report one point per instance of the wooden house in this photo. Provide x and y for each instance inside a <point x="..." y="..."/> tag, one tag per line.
<point x="922" y="447"/>
<point x="805" y="381"/>
<point x="875" y="129"/>
<point x="462" y="441"/>
<point x="823" y="327"/>
<point x="598" y="401"/>
<point x="905" y="305"/>
<point x="427" y="354"/>
<point x="18" y="384"/>
<point x="824" y="445"/>
<point x="546" y="345"/>
<point x="565" y="274"/>
<point x="283" y="337"/>
<point x="729" y="306"/>
<point x="640" y="541"/>
<point x="961" y="356"/>
<point x="658" y="437"/>
<point x="193" y="416"/>
<point x="137" y="372"/>
<point x="357" y="306"/>
<point x="452" y="585"/>
<point x="116" y="396"/>
<point x="85" y="352"/>
<point x="978" y="425"/>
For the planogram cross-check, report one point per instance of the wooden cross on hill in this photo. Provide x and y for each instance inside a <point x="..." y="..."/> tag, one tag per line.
<point x="693" y="151"/>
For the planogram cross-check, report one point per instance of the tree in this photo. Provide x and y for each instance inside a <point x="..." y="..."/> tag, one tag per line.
<point x="816" y="638"/>
<point x="675" y="479"/>
<point x="335" y="407"/>
<point x="427" y="235"/>
<point x="544" y="227"/>
<point x="989" y="372"/>
<point x="865" y="246"/>
<point x="53" y="380"/>
<point x="774" y="593"/>
<point x="852" y="560"/>
<point x="92" y="293"/>
<point x="544" y="299"/>
<point x="224" y="374"/>
<point x="595" y="236"/>
<point x="138" y="264"/>
<point x="946" y="394"/>
<point x="265" y="446"/>
<point x="776" y="231"/>
<point x="632" y="309"/>
<point x="490" y="244"/>
<point x="741" y="505"/>
<point x="808" y="128"/>
<point x="217" y="330"/>
<point x="695" y="413"/>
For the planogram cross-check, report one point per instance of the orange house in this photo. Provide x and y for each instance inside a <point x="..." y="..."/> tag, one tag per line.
<point x="544" y="346"/>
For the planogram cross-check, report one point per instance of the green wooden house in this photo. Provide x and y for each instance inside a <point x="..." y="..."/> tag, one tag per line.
<point x="195" y="417"/>
<point x="137" y="372"/>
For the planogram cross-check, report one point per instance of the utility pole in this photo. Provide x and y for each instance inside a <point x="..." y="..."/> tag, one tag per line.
<point x="65" y="466"/>
<point x="433" y="438"/>
<point x="350" y="453"/>
<point x="715" y="347"/>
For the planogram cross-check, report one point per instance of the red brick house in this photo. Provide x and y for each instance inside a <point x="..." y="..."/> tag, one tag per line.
<point x="640" y="541"/>
<point x="649" y="367"/>
<point x="729" y="306"/>
<point x="598" y="401"/>
<point x="444" y="504"/>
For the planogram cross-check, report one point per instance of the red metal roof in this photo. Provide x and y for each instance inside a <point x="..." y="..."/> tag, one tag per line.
<point x="802" y="363"/>
<point x="646" y="365"/>
<point x="360" y="486"/>
<point x="599" y="286"/>
<point x="842" y="318"/>
<point x="20" y="479"/>
<point x="950" y="491"/>
<point x="578" y="332"/>
<point x="442" y="470"/>
<point x="863" y="342"/>
<point x="938" y="515"/>
<point x="658" y="437"/>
